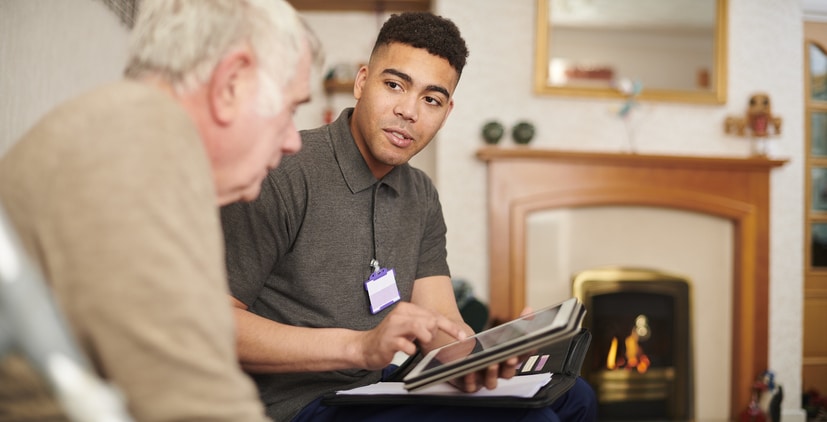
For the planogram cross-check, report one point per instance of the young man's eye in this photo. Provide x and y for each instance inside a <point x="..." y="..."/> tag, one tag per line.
<point x="392" y="85"/>
<point x="433" y="101"/>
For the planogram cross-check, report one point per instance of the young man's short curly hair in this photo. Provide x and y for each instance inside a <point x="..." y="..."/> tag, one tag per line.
<point x="434" y="33"/>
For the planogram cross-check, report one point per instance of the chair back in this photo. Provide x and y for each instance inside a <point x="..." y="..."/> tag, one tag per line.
<point x="31" y="324"/>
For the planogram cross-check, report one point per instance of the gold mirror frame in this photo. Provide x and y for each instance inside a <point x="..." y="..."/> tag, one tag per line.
<point x="715" y="95"/>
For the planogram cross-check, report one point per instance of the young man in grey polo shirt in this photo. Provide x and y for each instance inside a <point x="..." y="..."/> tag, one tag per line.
<point x="347" y="214"/>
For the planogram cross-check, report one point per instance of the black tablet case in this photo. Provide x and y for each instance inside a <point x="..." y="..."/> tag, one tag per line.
<point x="565" y="360"/>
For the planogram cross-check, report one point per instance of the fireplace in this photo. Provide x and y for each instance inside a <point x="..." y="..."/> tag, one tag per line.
<point x="523" y="181"/>
<point x="640" y="362"/>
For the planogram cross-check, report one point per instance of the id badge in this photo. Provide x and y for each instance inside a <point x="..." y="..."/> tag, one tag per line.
<point x="382" y="290"/>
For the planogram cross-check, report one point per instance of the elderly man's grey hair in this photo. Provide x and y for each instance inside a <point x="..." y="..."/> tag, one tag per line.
<point x="181" y="42"/>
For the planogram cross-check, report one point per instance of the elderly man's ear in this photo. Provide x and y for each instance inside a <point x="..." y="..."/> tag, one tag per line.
<point x="232" y="83"/>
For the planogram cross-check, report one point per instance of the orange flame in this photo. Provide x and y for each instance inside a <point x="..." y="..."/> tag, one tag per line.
<point x="633" y="358"/>
<point x="611" y="360"/>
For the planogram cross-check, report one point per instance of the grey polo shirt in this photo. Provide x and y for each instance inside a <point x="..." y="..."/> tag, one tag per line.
<point x="301" y="253"/>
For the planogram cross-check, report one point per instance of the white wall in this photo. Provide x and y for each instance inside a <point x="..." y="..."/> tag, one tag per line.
<point x="815" y="10"/>
<point x="51" y="50"/>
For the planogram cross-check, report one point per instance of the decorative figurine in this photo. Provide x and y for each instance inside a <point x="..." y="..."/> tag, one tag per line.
<point x="757" y="122"/>
<point x="753" y="412"/>
<point x="765" y="404"/>
<point x="772" y="394"/>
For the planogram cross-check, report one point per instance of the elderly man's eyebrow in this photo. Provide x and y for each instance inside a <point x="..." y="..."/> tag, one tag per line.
<point x="407" y="78"/>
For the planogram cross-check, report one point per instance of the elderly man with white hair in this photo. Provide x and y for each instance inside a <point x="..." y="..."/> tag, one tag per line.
<point x="115" y="196"/>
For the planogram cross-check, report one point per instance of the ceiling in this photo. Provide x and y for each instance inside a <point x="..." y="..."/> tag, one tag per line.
<point x="362" y="5"/>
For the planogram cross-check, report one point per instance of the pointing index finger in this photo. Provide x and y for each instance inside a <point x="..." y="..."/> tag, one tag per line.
<point x="451" y="328"/>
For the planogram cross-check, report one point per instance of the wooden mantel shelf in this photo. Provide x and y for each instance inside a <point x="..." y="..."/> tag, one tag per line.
<point x="499" y="153"/>
<point x="524" y="180"/>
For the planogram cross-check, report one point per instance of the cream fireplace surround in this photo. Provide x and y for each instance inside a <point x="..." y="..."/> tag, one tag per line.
<point x="522" y="181"/>
<point x="695" y="247"/>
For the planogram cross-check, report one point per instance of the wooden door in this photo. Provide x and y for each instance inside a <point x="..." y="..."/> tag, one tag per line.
<point x="814" y="363"/>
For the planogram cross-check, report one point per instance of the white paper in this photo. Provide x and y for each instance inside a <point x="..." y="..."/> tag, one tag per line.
<point x="519" y="386"/>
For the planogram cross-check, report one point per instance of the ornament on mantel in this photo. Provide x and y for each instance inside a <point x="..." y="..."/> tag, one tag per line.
<point x="492" y="132"/>
<point x="631" y="90"/>
<point x="757" y="124"/>
<point x="523" y="132"/>
<point x="765" y="403"/>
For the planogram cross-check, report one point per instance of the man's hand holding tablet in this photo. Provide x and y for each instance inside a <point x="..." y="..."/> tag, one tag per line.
<point x="480" y="359"/>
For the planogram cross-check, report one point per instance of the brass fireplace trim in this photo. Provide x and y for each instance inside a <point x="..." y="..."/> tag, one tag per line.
<point x="618" y="386"/>
<point x="608" y="277"/>
<point x="598" y="281"/>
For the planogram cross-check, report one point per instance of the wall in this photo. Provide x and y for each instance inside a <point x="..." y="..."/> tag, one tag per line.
<point x="51" y="50"/>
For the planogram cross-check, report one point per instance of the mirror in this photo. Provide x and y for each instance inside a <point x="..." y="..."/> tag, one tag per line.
<point x="676" y="49"/>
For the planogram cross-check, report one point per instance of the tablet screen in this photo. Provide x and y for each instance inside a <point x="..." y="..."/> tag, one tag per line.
<point x="505" y="334"/>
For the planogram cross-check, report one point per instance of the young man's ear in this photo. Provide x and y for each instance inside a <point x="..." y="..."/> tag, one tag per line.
<point x="359" y="83"/>
<point x="447" y="113"/>
<point x="230" y="85"/>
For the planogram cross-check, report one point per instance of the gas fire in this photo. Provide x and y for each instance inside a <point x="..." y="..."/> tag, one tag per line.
<point x="633" y="357"/>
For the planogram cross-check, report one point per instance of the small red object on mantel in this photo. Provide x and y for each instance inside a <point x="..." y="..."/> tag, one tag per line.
<point x="753" y="412"/>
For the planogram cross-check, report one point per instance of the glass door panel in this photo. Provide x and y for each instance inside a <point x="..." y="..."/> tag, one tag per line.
<point x="818" y="133"/>
<point x="818" y="72"/>
<point x="818" y="255"/>
<point x="819" y="189"/>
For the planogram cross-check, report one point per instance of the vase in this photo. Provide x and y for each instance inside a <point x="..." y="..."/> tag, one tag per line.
<point x="523" y="133"/>
<point x="492" y="132"/>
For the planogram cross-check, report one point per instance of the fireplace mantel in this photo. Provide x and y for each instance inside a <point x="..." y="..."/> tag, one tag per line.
<point x="526" y="180"/>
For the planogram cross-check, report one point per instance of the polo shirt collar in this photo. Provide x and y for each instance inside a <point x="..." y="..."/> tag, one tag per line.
<point x="354" y="169"/>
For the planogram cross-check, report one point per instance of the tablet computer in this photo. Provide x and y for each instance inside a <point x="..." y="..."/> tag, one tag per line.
<point x="496" y="344"/>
